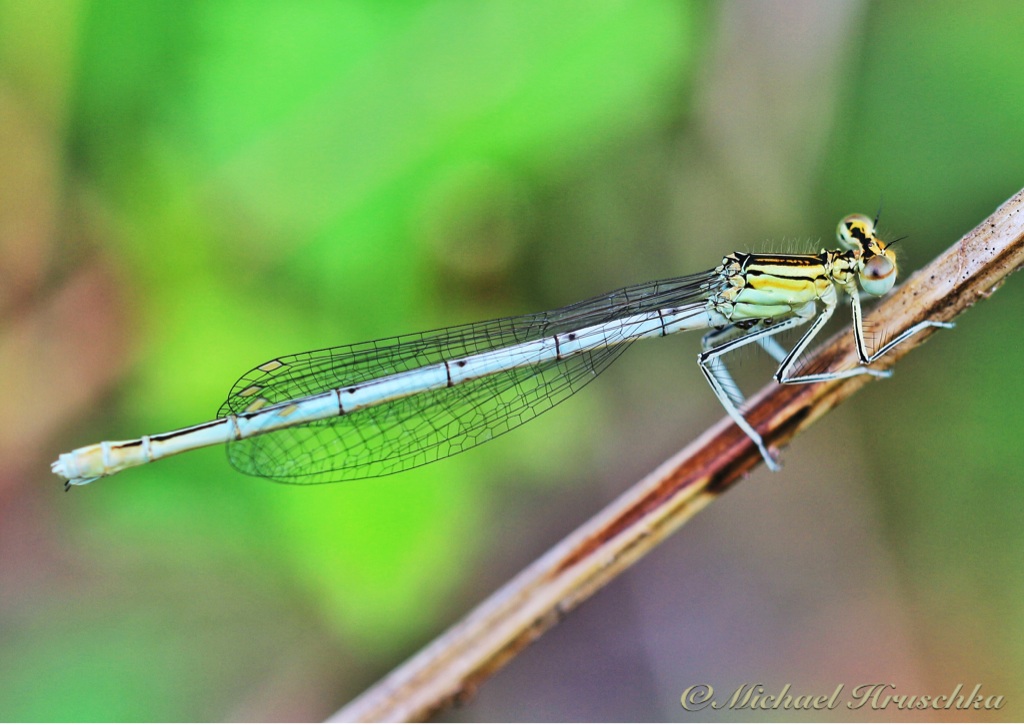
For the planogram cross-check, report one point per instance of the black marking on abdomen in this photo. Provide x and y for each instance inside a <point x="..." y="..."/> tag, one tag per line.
<point x="191" y="429"/>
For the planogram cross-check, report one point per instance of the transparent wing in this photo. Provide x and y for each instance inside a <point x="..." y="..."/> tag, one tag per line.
<point x="425" y="427"/>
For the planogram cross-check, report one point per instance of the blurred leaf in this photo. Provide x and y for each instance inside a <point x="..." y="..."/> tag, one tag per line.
<point x="263" y="168"/>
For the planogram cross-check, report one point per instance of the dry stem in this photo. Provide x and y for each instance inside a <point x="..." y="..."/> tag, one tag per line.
<point x="457" y="662"/>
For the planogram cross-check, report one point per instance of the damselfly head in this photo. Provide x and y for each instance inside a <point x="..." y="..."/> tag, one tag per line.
<point x="878" y="274"/>
<point x="856" y="233"/>
<point x="878" y="269"/>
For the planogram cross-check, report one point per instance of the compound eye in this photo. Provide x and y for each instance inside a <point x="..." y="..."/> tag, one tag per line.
<point x="878" y="275"/>
<point x="855" y="231"/>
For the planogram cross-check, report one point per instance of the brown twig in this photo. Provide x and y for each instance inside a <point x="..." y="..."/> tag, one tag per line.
<point x="456" y="663"/>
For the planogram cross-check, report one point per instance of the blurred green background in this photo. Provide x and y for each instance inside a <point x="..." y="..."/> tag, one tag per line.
<point x="188" y="189"/>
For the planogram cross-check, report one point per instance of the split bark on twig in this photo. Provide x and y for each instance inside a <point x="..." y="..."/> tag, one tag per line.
<point x="456" y="663"/>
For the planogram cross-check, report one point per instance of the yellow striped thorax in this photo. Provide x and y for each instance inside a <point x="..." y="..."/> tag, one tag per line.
<point x="766" y="286"/>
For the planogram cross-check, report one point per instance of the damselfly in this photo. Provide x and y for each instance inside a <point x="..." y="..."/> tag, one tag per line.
<point x="376" y="408"/>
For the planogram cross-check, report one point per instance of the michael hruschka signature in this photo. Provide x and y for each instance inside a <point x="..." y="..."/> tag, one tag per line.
<point x="872" y="696"/>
